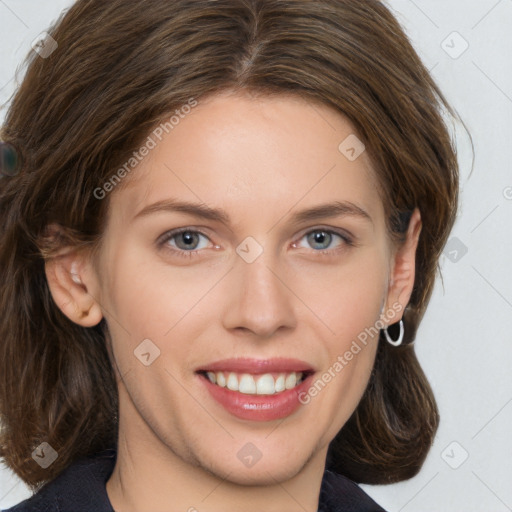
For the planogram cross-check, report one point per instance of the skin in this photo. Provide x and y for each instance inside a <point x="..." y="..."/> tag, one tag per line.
<point x="260" y="160"/>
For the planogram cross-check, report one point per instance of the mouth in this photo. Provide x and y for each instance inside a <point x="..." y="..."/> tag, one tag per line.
<point x="257" y="390"/>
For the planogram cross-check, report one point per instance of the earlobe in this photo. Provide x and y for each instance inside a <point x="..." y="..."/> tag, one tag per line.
<point x="70" y="293"/>
<point x="403" y="268"/>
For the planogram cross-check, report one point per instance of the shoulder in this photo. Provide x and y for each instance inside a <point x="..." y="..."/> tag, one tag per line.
<point x="340" y="494"/>
<point x="79" y="488"/>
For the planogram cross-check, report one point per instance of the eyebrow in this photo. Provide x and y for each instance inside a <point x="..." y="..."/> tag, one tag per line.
<point x="201" y="210"/>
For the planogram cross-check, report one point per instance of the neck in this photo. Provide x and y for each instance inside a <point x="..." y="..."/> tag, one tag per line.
<point x="149" y="475"/>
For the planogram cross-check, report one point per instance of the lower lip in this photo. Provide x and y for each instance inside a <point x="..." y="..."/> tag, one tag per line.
<point x="258" y="407"/>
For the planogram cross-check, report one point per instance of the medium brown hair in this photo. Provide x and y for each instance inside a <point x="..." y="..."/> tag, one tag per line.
<point x="120" y="68"/>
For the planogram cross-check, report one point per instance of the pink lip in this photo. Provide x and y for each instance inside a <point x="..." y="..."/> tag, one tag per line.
<point x="257" y="407"/>
<point x="256" y="366"/>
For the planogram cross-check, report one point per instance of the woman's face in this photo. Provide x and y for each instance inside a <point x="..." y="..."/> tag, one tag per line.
<point x="260" y="290"/>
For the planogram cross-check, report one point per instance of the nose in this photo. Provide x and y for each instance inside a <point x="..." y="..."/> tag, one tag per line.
<point x="260" y="299"/>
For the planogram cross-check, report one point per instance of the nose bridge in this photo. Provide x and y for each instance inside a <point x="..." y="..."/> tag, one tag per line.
<point x="260" y="300"/>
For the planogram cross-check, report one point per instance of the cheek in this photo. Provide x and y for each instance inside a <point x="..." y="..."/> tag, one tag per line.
<point x="347" y="297"/>
<point x="148" y="299"/>
<point x="348" y="300"/>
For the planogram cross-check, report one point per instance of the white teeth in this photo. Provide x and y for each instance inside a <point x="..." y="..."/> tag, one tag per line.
<point x="264" y="385"/>
<point x="232" y="382"/>
<point x="291" y="381"/>
<point x="247" y="385"/>
<point x="221" y="380"/>
<point x="280" y="383"/>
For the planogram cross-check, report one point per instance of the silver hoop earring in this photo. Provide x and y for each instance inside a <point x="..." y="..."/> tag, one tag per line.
<point x="400" y="336"/>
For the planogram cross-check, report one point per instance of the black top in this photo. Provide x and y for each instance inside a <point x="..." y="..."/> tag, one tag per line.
<point x="81" y="488"/>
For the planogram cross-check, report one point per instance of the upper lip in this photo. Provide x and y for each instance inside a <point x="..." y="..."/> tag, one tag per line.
<point x="247" y="365"/>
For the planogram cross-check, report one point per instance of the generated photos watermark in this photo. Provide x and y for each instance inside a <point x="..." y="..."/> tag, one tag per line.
<point x="151" y="143"/>
<point x="343" y="360"/>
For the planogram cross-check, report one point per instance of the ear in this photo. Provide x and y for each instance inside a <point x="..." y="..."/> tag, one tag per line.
<point x="403" y="266"/>
<point x="68" y="276"/>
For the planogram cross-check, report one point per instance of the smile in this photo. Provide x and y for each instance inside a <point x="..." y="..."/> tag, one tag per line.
<point x="256" y="389"/>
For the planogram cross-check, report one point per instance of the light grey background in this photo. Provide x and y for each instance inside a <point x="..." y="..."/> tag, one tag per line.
<point x="465" y="341"/>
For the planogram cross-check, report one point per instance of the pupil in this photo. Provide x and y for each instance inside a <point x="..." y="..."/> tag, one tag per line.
<point x="320" y="237"/>
<point x="187" y="237"/>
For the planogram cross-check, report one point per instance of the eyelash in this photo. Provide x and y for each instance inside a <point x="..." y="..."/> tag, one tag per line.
<point x="194" y="253"/>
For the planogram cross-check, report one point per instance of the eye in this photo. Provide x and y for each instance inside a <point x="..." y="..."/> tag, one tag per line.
<point x="321" y="239"/>
<point x="185" y="240"/>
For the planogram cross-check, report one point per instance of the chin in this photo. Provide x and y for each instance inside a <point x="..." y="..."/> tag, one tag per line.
<point x="276" y="468"/>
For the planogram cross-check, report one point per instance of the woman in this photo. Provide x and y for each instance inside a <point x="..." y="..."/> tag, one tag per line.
<point x="221" y="225"/>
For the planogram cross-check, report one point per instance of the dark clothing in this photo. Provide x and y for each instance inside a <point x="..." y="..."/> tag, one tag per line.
<point x="81" y="488"/>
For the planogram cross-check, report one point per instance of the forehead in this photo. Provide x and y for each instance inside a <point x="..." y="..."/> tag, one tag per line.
<point x="247" y="153"/>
